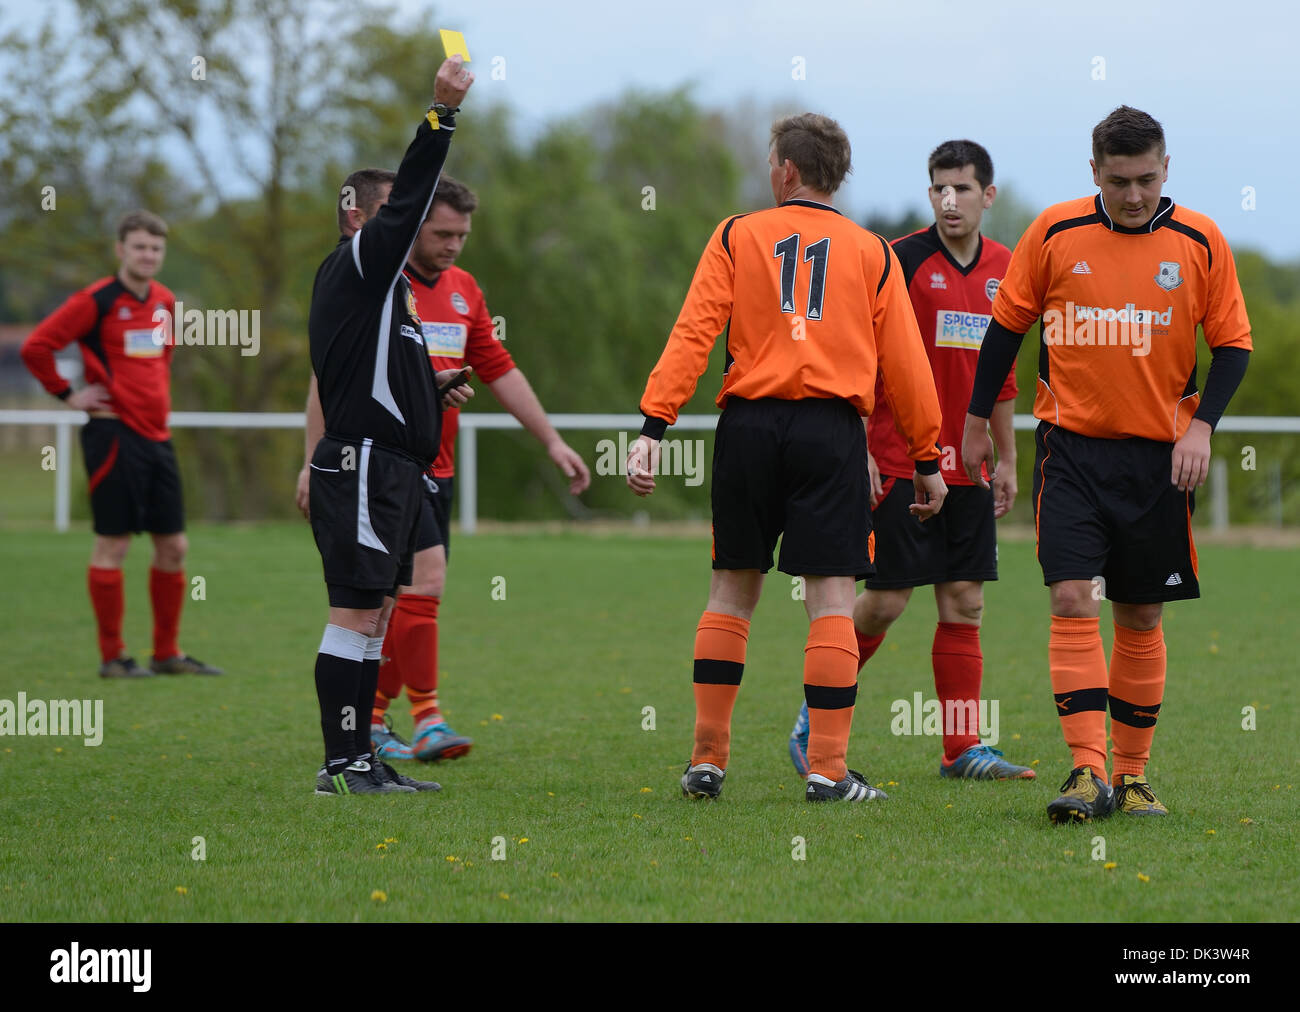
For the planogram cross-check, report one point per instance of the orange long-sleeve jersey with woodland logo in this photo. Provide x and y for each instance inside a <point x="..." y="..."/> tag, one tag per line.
<point x="1119" y="309"/>
<point x="813" y="305"/>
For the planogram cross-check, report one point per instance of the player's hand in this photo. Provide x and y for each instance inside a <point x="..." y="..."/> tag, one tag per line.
<point x="643" y="465"/>
<point x="931" y="490"/>
<point x="1191" y="463"/>
<point x="1004" y="488"/>
<point x="457" y="395"/>
<point x="302" y="495"/>
<point x="977" y="450"/>
<point x="90" y="398"/>
<point x="877" y="489"/>
<point x="573" y="466"/>
<point x="452" y="82"/>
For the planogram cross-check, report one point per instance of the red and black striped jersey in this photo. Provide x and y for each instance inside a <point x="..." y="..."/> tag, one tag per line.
<point x="953" y="306"/>
<point x="457" y="332"/>
<point x="126" y="346"/>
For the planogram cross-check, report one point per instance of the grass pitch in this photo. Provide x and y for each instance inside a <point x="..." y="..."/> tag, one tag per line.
<point x="552" y="649"/>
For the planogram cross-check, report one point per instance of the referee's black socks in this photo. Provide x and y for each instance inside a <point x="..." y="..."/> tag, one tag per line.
<point x="339" y="674"/>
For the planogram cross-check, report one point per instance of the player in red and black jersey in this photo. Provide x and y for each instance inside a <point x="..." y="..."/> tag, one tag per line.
<point x="1120" y="282"/>
<point x="952" y="274"/>
<point x="458" y="332"/>
<point x="122" y="325"/>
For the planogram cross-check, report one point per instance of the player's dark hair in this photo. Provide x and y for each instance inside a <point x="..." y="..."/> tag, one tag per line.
<point x="1126" y="131"/>
<point x="818" y="146"/>
<point x="135" y="221"/>
<point x="362" y="189"/>
<point x="455" y="194"/>
<point x="959" y="154"/>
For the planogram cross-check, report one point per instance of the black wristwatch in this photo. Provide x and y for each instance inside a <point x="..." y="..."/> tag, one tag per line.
<point x="440" y="110"/>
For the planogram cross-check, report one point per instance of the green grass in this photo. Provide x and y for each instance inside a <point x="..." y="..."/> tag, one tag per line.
<point x="552" y="682"/>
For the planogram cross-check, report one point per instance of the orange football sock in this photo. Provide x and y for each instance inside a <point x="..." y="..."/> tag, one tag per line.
<point x="108" y="601"/>
<point x="1078" y="664"/>
<point x="1137" y="685"/>
<point x="720" y="642"/>
<point x="830" y="687"/>
<point x="167" y="593"/>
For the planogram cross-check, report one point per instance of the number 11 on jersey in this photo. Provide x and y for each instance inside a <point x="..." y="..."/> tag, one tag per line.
<point x="787" y="250"/>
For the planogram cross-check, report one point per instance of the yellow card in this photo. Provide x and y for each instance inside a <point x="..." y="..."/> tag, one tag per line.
<point x="453" y="44"/>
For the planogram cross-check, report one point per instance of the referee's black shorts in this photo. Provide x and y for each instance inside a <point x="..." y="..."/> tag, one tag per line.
<point x="365" y="514"/>
<point x="134" y="482"/>
<point x="960" y="543"/>
<point x="435" y="515"/>
<point x="1107" y="508"/>
<point x="794" y="469"/>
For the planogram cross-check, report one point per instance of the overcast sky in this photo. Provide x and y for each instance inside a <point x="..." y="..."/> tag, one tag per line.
<point x="1026" y="79"/>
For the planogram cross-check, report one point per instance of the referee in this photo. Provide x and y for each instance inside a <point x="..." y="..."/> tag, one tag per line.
<point x="382" y="426"/>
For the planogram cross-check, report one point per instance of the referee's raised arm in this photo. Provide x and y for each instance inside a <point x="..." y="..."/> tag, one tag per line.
<point x="381" y="246"/>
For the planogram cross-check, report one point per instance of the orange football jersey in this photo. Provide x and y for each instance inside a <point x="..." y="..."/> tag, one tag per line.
<point x="813" y="305"/>
<point x="1119" y="309"/>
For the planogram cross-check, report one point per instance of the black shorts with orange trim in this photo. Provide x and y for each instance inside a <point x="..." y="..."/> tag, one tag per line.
<point x="1106" y="508"/>
<point x="135" y="484"/>
<point x="794" y="470"/>
<point x="960" y="543"/>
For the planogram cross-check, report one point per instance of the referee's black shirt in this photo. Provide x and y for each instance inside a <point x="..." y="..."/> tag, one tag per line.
<point x="367" y="345"/>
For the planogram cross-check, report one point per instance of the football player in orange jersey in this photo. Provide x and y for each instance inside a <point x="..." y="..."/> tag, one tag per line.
<point x="1120" y="282"/>
<point x="812" y="305"/>
<point x="952" y="275"/>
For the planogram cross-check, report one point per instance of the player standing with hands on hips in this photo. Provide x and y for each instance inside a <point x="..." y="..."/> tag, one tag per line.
<point x="382" y="415"/>
<point x="1120" y="281"/>
<point x="813" y="305"/>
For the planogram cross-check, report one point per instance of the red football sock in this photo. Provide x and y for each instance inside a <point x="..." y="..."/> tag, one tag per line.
<point x="867" y="646"/>
<point x="413" y="643"/>
<point x="389" y="686"/>
<point x="108" y="602"/>
<point x="167" y="592"/>
<point x="958" y="670"/>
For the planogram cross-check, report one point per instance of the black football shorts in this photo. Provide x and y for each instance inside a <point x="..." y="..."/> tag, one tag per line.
<point x="365" y="516"/>
<point x="797" y="470"/>
<point x="1107" y="508"/>
<point x="435" y="515"/>
<point x="960" y="543"/>
<point x="134" y="482"/>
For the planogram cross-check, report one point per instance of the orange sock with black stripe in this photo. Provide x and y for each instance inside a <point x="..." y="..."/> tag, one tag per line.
<point x="1078" y="663"/>
<point x="720" y="642"/>
<point x="830" y="687"/>
<point x="1137" y="685"/>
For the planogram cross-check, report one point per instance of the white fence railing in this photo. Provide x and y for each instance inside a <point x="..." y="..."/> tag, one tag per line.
<point x="470" y="424"/>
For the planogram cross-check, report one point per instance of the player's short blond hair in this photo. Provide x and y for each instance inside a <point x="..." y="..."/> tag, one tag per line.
<point x="818" y="147"/>
<point x="141" y="221"/>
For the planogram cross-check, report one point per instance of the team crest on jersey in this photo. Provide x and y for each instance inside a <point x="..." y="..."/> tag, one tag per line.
<point x="937" y="280"/>
<point x="991" y="287"/>
<point x="459" y="304"/>
<point x="124" y="313"/>
<point x="410" y="305"/>
<point x="1168" y="276"/>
